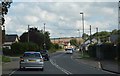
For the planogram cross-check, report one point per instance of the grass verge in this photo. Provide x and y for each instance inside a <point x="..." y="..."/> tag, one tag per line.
<point x="5" y="59"/>
<point x="84" y="56"/>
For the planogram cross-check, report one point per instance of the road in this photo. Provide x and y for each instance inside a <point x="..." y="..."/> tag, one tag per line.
<point x="60" y="63"/>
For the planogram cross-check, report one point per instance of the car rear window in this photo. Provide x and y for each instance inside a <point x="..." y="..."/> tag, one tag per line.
<point x="31" y="55"/>
<point x="68" y="49"/>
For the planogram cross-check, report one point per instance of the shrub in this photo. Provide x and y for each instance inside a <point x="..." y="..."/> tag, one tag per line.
<point x="20" y="48"/>
<point x="92" y="50"/>
<point x="109" y="50"/>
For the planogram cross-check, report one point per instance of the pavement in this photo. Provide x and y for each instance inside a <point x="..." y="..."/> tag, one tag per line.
<point x="90" y="62"/>
<point x="110" y="66"/>
<point x="106" y="65"/>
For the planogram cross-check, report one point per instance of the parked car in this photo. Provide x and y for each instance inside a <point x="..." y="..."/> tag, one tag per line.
<point x="32" y="60"/>
<point x="69" y="50"/>
<point x="45" y="54"/>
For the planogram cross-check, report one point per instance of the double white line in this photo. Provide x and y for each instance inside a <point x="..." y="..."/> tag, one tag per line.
<point x="62" y="69"/>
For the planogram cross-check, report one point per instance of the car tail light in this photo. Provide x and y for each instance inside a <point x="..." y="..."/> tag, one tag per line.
<point x="21" y="59"/>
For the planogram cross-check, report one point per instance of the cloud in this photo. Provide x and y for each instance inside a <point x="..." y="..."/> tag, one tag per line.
<point x="65" y="0"/>
<point x="61" y="17"/>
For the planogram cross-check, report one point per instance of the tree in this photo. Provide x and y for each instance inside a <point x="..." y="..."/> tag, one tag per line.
<point x="4" y="9"/>
<point x="38" y="37"/>
<point x="74" y="42"/>
<point x="103" y="36"/>
<point x="85" y="36"/>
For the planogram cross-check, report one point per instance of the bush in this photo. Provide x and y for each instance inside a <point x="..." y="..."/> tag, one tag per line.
<point x="20" y="48"/>
<point x="104" y="51"/>
<point x="118" y="51"/>
<point x="54" y="47"/>
<point x="109" y="50"/>
<point x="92" y="50"/>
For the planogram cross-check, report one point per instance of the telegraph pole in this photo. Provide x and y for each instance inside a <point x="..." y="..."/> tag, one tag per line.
<point x="97" y="33"/>
<point x="44" y="37"/>
<point x="28" y="33"/>
<point x="90" y="35"/>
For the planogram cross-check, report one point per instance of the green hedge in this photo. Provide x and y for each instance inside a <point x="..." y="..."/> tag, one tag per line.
<point x="92" y="50"/>
<point x="105" y="50"/>
<point x="118" y="51"/>
<point x="109" y="50"/>
<point x="20" y="48"/>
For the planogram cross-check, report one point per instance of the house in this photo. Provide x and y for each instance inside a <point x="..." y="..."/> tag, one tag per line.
<point x="64" y="41"/>
<point x="113" y="38"/>
<point x="86" y="44"/>
<point x="10" y="39"/>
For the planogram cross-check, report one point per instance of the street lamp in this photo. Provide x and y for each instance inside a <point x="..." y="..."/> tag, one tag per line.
<point x="79" y="36"/>
<point x="83" y="28"/>
<point x="82" y="22"/>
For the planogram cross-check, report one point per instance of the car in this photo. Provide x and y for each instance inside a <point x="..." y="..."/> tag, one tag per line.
<point x="69" y="51"/>
<point x="32" y="60"/>
<point x="45" y="55"/>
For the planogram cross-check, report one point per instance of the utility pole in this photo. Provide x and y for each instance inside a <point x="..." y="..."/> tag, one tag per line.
<point x="90" y="35"/>
<point x="0" y="38"/>
<point x="44" y="37"/>
<point x="97" y="33"/>
<point x="28" y="33"/>
<point x="79" y="38"/>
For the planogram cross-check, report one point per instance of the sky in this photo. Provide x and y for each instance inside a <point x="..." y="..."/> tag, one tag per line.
<point x="62" y="18"/>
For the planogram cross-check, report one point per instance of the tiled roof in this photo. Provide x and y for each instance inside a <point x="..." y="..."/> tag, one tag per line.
<point x="10" y="38"/>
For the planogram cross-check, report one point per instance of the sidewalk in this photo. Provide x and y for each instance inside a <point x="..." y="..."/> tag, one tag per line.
<point x="111" y="66"/>
<point x="90" y="62"/>
<point x="105" y="65"/>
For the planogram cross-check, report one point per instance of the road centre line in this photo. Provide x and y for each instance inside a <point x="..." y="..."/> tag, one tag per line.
<point x="62" y="69"/>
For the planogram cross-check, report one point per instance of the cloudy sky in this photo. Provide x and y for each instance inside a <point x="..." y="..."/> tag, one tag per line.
<point x="62" y="18"/>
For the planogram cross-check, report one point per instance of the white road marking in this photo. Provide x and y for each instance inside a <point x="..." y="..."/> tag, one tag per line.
<point x="62" y="69"/>
<point x="12" y="72"/>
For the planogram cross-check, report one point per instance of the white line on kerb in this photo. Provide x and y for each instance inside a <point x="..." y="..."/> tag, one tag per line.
<point x="57" y="66"/>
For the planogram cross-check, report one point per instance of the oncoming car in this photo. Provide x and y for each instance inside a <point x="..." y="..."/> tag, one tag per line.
<point x="69" y="50"/>
<point x="45" y="54"/>
<point x="32" y="60"/>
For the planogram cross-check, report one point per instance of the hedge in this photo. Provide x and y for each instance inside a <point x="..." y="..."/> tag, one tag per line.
<point x="92" y="50"/>
<point x="106" y="50"/>
<point x="20" y="48"/>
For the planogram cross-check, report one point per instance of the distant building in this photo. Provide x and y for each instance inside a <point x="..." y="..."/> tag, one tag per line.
<point x="86" y="44"/>
<point x="63" y="41"/>
<point x="113" y="38"/>
<point x="9" y="40"/>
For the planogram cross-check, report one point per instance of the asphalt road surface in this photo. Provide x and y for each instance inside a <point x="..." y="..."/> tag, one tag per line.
<point x="59" y="63"/>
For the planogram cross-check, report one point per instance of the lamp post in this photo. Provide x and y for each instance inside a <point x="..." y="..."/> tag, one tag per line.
<point x="83" y="29"/>
<point x="79" y="36"/>
<point x="82" y="22"/>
